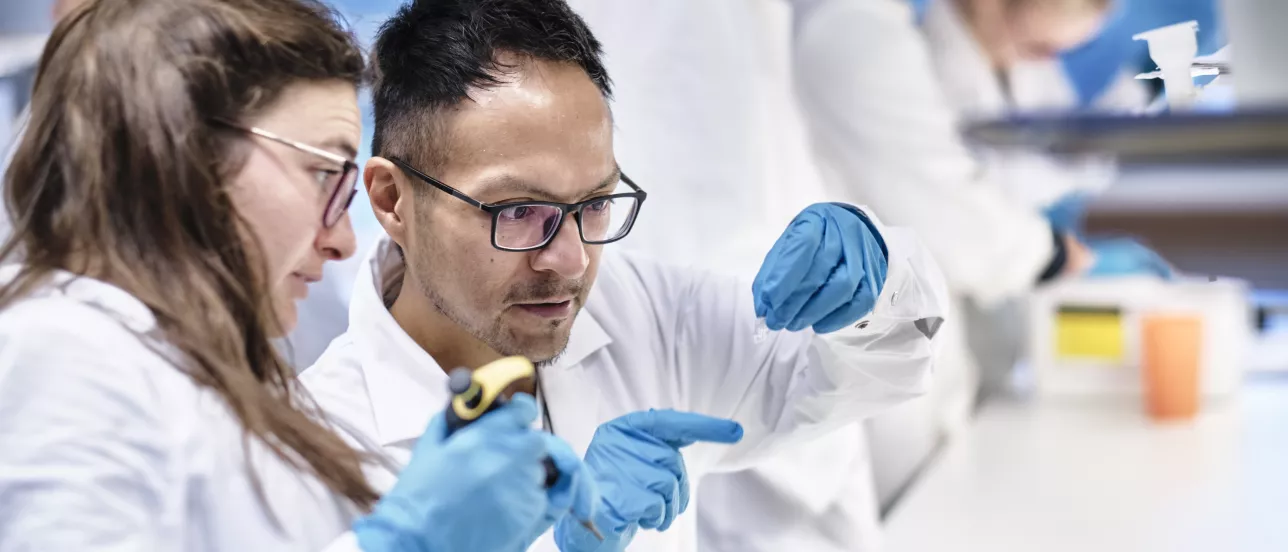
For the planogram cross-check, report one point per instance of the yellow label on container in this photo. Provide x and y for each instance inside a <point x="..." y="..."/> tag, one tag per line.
<point x="1089" y="334"/>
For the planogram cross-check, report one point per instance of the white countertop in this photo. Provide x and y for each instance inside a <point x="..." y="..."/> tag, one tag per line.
<point x="1103" y="478"/>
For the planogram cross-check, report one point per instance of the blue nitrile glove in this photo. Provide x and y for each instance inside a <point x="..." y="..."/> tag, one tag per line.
<point x="637" y="463"/>
<point x="1126" y="257"/>
<point x="1066" y="214"/>
<point x="826" y="271"/>
<point x="574" y="494"/>
<point x="482" y="489"/>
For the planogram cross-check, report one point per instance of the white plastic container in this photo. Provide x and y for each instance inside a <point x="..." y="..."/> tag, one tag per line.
<point x="1073" y="323"/>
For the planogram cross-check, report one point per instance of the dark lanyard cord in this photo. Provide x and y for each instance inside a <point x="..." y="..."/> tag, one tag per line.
<point x="546" y="422"/>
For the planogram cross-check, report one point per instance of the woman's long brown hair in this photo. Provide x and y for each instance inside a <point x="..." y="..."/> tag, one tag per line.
<point x="122" y="176"/>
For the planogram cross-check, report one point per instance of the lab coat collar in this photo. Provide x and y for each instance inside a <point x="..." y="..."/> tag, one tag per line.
<point x="405" y="385"/>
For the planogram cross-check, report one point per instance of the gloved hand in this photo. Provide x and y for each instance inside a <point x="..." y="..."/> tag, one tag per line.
<point x="1066" y="214"/>
<point x="575" y="494"/>
<point x="826" y="271"/>
<point x="482" y="489"/>
<point x="637" y="463"/>
<point x="1126" y="257"/>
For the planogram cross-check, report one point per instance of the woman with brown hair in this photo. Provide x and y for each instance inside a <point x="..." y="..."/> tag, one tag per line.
<point x="185" y="174"/>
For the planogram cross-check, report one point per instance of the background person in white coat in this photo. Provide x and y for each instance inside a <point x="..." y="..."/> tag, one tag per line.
<point x="187" y="171"/>
<point x="508" y="130"/>
<point x="1000" y="58"/>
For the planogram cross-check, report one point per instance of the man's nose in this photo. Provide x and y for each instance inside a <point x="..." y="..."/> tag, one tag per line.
<point x="565" y="255"/>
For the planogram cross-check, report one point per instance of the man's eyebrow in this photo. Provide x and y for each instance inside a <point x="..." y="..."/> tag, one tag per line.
<point x="509" y="184"/>
<point x="607" y="183"/>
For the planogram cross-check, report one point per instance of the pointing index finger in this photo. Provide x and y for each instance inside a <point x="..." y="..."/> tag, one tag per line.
<point x="681" y="429"/>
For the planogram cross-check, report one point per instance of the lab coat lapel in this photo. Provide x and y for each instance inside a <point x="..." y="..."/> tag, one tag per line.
<point x="571" y="383"/>
<point x="405" y="386"/>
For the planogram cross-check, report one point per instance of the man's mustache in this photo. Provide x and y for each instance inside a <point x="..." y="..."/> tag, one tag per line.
<point x="545" y="291"/>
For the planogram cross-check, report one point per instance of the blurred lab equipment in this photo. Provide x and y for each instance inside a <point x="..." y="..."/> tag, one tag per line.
<point x="1174" y="48"/>
<point x="1256" y="130"/>
<point x="1087" y="339"/>
<point x="1094" y="66"/>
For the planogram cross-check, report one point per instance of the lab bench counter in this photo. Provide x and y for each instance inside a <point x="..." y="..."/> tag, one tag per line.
<point x="1102" y="477"/>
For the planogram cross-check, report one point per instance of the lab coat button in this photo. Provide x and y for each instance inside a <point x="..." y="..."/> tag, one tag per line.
<point x="862" y="325"/>
<point x="894" y="298"/>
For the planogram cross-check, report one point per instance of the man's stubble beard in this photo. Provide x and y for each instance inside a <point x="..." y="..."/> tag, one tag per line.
<point x="495" y="336"/>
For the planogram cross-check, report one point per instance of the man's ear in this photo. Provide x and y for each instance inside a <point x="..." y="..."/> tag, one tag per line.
<point x="389" y="196"/>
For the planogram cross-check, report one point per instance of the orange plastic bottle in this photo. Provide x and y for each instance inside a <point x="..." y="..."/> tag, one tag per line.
<point x="1172" y="349"/>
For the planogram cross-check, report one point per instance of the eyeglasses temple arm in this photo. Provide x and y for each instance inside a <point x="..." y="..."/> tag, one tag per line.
<point x="440" y="185"/>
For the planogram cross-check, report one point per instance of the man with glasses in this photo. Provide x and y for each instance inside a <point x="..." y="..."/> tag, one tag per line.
<point x="495" y="179"/>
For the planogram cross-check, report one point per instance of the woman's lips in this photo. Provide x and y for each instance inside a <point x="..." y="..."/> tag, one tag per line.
<point x="300" y="284"/>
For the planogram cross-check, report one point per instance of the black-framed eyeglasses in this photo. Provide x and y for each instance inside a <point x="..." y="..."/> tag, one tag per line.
<point x="531" y="225"/>
<point x="340" y="186"/>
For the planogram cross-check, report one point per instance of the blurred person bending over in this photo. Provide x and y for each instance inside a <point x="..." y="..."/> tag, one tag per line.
<point x="996" y="58"/>
<point x="186" y="173"/>
<point x="496" y="180"/>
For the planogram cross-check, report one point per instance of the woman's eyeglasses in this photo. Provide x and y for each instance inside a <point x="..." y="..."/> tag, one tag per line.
<point x="340" y="185"/>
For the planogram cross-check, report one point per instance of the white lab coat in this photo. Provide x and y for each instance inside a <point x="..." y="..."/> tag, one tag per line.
<point x="1032" y="180"/>
<point x="106" y="445"/>
<point x="708" y="122"/>
<point x="654" y="336"/>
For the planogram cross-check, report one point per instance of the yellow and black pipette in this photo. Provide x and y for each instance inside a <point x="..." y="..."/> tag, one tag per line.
<point x="477" y="392"/>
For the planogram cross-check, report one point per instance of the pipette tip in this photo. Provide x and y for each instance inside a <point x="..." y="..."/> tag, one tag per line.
<point x="590" y="526"/>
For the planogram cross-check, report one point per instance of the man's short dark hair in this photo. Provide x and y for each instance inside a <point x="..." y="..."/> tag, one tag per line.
<point x="433" y="52"/>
